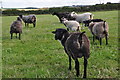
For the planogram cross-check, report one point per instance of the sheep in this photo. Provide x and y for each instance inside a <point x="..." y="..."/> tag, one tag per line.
<point x="71" y="25"/>
<point x="87" y="22"/>
<point x="16" y="27"/>
<point x="82" y="17"/>
<point x="99" y="30"/>
<point x="28" y="19"/>
<point x="66" y="15"/>
<point x="76" y="45"/>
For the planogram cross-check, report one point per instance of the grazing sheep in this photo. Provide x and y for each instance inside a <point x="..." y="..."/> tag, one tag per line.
<point x="82" y="17"/>
<point x="29" y="19"/>
<point x="66" y="15"/>
<point x="99" y="31"/>
<point x="71" y="25"/>
<point x="16" y="27"/>
<point x="87" y="22"/>
<point x="76" y="45"/>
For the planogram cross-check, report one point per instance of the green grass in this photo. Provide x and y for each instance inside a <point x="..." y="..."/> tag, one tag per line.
<point x="38" y="55"/>
<point x="0" y="47"/>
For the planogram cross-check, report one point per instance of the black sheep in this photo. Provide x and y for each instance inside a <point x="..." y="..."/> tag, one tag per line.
<point x="87" y="22"/>
<point x="76" y="45"/>
<point x="66" y="15"/>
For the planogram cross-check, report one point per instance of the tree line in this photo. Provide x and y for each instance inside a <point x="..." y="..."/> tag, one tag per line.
<point x="97" y="7"/>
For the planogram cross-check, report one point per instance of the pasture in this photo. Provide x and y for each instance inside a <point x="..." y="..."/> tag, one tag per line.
<point x="38" y="55"/>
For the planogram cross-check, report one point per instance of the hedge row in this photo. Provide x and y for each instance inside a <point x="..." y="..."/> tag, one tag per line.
<point x="97" y="7"/>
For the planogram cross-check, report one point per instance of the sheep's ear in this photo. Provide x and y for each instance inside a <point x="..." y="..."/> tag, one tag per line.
<point x="82" y="34"/>
<point x="20" y="16"/>
<point x="53" y="32"/>
<point x="65" y="31"/>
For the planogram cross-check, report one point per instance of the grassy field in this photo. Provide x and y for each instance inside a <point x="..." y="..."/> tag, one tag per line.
<point x="38" y="55"/>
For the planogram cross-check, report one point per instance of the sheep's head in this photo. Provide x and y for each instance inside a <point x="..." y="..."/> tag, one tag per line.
<point x="59" y="33"/>
<point x="73" y="14"/>
<point x="63" y="19"/>
<point x="20" y="16"/>
<point x="19" y="19"/>
<point x="87" y="22"/>
<point x="54" y="13"/>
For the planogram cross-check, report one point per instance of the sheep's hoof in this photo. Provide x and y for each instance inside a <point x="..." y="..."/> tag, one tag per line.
<point x="84" y="76"/>
<point x="77" y="74"/>
<point x="69" y="68"/>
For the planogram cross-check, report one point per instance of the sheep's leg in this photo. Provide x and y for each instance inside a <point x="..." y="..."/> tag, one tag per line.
<point x="106" y="40"/>
<point x="16" y="35"/>
<point x="25" y="24"/>
<point x="34" y="24"/>
<point x="82" y="26"/>
<point x="69" y="60"/>
<point x="85" y="68"/>
<point x="11" y="35"/>
<point x="19" y="36"/>
<point x="100" y="41"/>
<point x="70" y="63"/>
<point x="77" y="67"/>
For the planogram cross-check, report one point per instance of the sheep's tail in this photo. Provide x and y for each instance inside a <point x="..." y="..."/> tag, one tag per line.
<point x="104" y="32"/>
<point x="80" y="38"/>
<point x="34" y="17"/>
<point x="91" y="16"/>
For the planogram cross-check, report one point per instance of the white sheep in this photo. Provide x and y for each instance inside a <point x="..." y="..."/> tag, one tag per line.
<point x="71" y="25"/>
<point x="82" y="17"/>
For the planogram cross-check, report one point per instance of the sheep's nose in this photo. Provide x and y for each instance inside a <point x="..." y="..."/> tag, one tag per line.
<point x="53" y="32"/>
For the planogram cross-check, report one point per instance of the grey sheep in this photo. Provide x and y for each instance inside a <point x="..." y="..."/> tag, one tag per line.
<point x="16" y="27"/>
<point x="30" y="19"/>
<point x="99" y="30"/>
<point x="76" y="45"/>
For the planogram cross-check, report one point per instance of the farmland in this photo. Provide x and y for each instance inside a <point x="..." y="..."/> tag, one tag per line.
<point x="38" y="55"/>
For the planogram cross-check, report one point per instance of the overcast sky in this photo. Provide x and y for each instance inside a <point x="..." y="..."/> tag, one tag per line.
<point x="50" y="3"/>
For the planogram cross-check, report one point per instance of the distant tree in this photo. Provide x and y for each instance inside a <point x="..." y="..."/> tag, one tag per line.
<point x="109" y="3"/>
